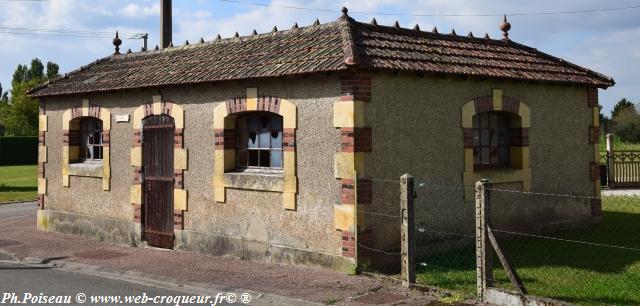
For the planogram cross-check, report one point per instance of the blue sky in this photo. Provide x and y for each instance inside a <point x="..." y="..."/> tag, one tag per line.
<point x="606" y="42"/>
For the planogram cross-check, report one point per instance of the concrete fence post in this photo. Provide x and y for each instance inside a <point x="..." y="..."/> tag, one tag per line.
<point x="407" y="239"/>
<point x="484" y="254"/>
<point x="610" y="161"/>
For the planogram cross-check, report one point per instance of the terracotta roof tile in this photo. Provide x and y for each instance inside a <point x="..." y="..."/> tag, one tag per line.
<point x="335" y="46"/>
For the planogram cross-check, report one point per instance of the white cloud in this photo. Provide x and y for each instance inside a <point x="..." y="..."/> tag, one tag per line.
<point x="133" y="10"/>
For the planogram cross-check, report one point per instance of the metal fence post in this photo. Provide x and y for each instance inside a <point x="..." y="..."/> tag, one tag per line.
<point x="610" y="161"/>
<point x="407" y="239"/>
<point x="484" y="254"/>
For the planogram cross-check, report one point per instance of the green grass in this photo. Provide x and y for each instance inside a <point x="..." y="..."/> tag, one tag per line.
<point x="18" y="183"/>
<point x="573" y="272"/>
<point x="618" y="144"/>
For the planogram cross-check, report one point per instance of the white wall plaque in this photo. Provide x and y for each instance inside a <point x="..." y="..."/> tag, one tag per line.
<point x="122" y="118"/>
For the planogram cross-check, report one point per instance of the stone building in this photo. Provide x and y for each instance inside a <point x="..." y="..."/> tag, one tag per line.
<point x="250" y="146"/>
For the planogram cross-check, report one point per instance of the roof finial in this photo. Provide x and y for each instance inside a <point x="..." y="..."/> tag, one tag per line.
<point x="417" y="27"/>
<point x="236" y="35"/>
<point x="435" y="30"/>
<point x="171" y="45"/>
<point x="345" y="11"/>
<point x="374" y="21"/>
<point x="186" y="43"/>
<point x="396" y="25"/>
<point x="201" y="39"/>
<point x="129" y="51"/>
<point x="156" y="48"/>
<point x="317" y="22"/>
<point x="470" y="35"/>
<point x="453" y="32"/>
<point x="486" y="36"/>
<point x="218" y="37"/>
<point x="117" y="42"/>
<point x="295" y="26"/>
<point x="254" y="32"/>
<point x="505" y="27"/>
<point x="275" y="29"/>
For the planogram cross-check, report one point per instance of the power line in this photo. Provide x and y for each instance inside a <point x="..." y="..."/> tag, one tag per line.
<point x="437" y="15"/>
<point x="64" y="32"/>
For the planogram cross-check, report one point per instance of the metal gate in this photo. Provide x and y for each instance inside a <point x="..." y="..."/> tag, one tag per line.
<point x="158" y="181"/>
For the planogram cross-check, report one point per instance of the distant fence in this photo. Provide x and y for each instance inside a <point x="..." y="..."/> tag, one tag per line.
<point x="619" y="168"/>
<point x="20" y="150"/>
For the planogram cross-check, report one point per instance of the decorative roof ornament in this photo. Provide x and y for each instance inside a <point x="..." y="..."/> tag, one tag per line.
<point x="295" y="26"/>
<point x="374" y="21"/>
<point x="254" y="32"/>
<point x="186" y="43"/>
<point x="156" y="48"/>
<point x="345" y="12"/>
<point x="218" y="37"/>
<point x="142" y="49"/>
<point x="486" y="36"/>
<point x="275" y="29"/>
<point x="435" y="30"/>
<point x="236" y="35"/>
<point x="129" y="51"/>
<point x="170" y="44"/>
<point x="416" y="27"/>
<point x="505" y="27"/>
<point x="453" y="32"/>
<point x="117" y="42"/>
<point x="470" y="35"/>
<point x="317" y="22"/>
<point x="201" y="40"/>
<point x="396" y="25"/>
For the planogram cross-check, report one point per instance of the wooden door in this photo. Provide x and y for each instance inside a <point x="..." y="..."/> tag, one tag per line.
<point x="157" y="180"/>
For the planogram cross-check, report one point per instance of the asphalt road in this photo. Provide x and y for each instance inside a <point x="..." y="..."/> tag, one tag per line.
<point x="9" y="211"/>
<point x="24" y="283"/>
<point x="20" y="283"/>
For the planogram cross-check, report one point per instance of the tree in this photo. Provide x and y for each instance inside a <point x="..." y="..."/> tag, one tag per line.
<point x="621" y="106"/>
<point x="19" y="113"/>
<point x="52" y="70"/>
<point x="627" y="125"/>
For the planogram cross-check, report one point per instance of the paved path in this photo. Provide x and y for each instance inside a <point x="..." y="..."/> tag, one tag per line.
<point x="621" y="192"/>
<point x="8" y="211"/>
<point x="177" y="271"/>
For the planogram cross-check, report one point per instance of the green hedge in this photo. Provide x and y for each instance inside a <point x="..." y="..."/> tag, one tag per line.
<point x="20" y="150"/>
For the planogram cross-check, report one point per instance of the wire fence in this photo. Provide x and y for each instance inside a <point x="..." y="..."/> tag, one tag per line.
<point x="568" y="246"/>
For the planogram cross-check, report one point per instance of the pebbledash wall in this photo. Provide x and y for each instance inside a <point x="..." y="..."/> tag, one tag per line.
<point x="247" y="220"/>
<point x="418" y="126"/>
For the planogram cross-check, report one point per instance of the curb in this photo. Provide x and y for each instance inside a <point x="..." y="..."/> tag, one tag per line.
<point x="159" y="281"/>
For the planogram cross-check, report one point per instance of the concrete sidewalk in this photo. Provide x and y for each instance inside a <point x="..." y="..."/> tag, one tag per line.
<point x="20" y="237"/>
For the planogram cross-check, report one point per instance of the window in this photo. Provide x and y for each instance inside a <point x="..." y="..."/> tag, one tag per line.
<point x="91" y="140"/>
<point x="491" y="147"/>
<point x="259" y="141"/>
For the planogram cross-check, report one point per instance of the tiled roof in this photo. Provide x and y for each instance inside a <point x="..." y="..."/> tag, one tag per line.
<point x="336" y="46"/>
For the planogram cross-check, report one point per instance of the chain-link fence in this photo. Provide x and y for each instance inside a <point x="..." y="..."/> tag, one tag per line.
<point x="566" y="246"/>
<point x="585" y="250"/>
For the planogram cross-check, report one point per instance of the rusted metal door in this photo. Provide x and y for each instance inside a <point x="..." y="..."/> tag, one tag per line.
<point x="157" y="180"/>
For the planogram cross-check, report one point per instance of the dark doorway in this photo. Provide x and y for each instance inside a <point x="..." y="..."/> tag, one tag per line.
<point x="157" y="180"/>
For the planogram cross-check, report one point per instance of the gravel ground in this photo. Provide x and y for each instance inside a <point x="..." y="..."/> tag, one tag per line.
<point x="19" y="235"/>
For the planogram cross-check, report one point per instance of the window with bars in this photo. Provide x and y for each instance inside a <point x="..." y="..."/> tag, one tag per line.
<point x="91" y="140"/>
<point x="259" y="141"/>
<point x="491" y="140"/>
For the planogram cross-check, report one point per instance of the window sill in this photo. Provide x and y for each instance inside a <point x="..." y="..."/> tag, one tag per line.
<point x="86" y="169"/>
<point x="266" y="180"/>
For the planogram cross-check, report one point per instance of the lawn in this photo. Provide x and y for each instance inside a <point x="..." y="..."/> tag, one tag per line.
<point x="18" y="183"/>
<point x="585" y="274"/>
